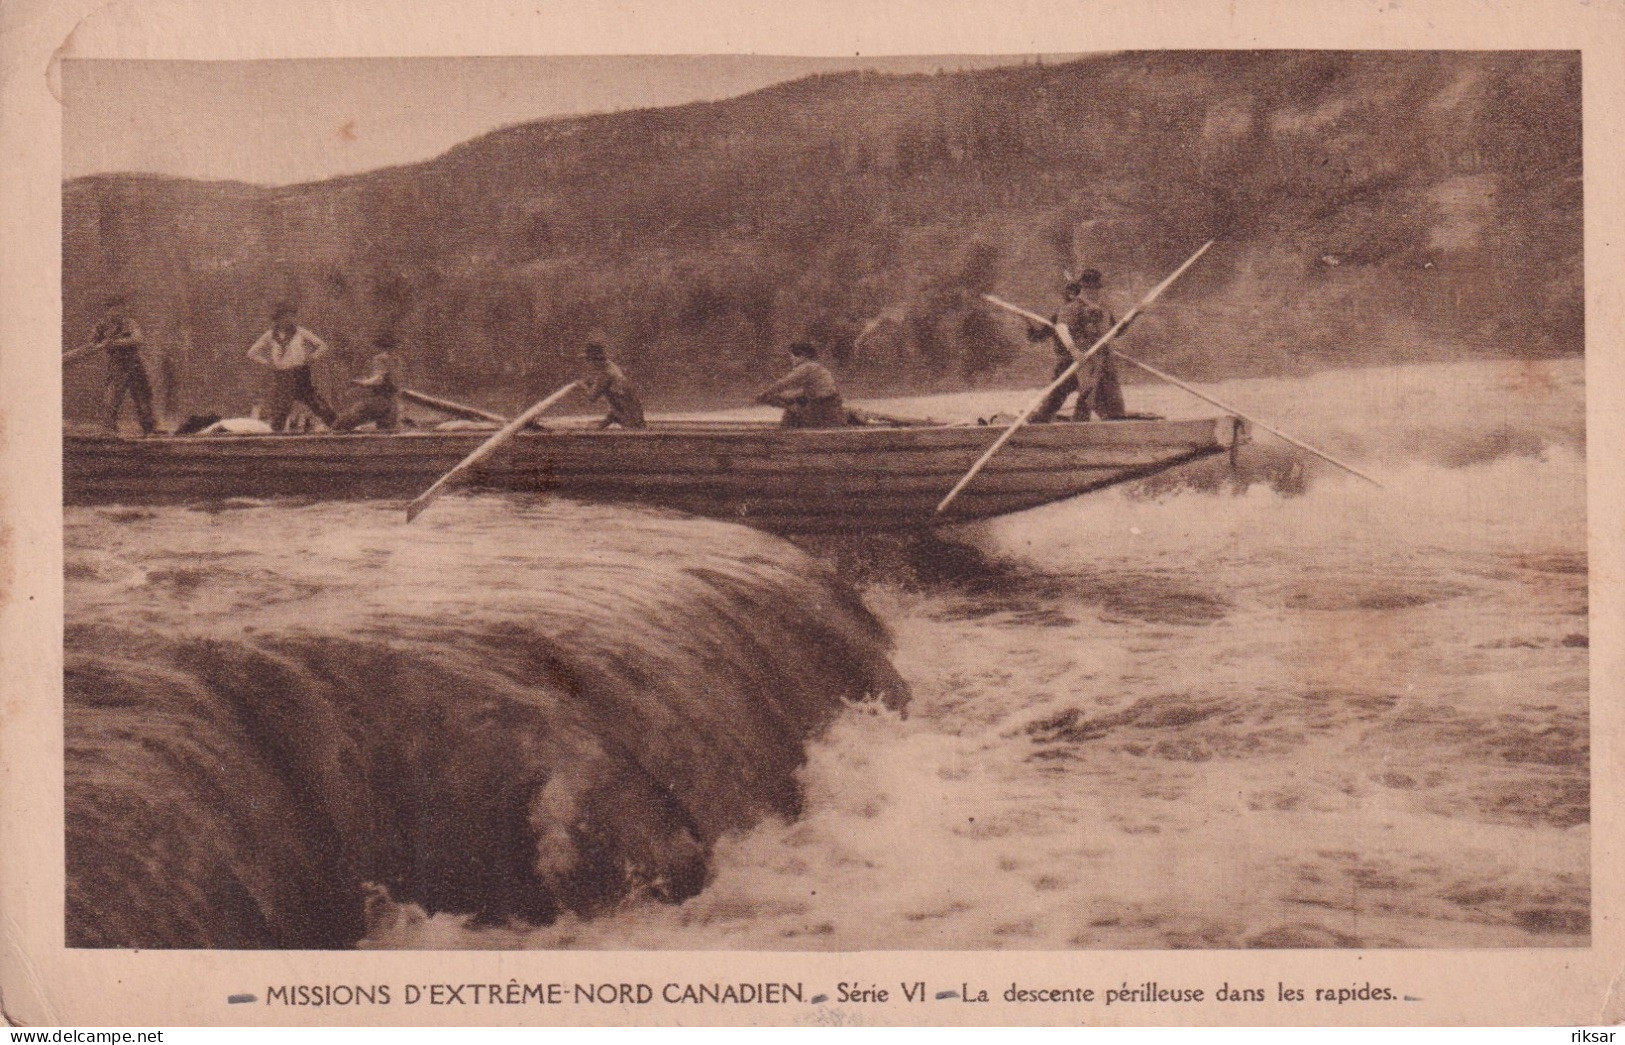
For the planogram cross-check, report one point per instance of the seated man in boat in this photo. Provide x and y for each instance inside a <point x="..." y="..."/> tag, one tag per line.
<point x="608" y="382"/>
<point x="1087" y="318"/>
<point x="378" y="406"/>
<point x="807" y="393"/>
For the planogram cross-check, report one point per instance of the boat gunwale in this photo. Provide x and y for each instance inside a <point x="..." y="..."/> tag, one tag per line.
<point x="1057" y="432"/>
<point x="760" y="474"/>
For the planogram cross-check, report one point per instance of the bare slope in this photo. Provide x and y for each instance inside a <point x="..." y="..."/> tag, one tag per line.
<point x="1370" y="207"/>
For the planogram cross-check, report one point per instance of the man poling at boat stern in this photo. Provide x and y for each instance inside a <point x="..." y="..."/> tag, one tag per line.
<point x="808" y="393"/>
<point x="609" y="383"/>
<point x="289" y="349"/>
<point x="119" y="336"/>
<point x="1087" y="318"/>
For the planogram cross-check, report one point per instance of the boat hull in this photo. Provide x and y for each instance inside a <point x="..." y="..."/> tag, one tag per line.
<point x="849" y="479"/>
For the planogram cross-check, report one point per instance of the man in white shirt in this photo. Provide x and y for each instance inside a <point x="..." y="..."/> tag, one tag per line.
<point x="289" y="349"/>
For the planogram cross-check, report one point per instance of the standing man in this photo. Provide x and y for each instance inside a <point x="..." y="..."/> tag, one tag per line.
<point x="608" y="382"/>
<point x="807" y="393"/>
<point x="1087" y="318"/>
<point x="120" y="337"/>
<point x="289" y="349"/>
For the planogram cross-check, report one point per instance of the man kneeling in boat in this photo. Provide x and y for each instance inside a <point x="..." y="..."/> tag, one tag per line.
<point x="807" y="393"/>
<point x="1087" y="318"/>
<point x="379" y="405"/>
<point x="609" y="383"/>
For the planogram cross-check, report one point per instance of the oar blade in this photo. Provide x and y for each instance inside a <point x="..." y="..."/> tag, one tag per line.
<point x="485" y="449"/>
<point x="432" y="494"/>
<point x="423" y="501"/>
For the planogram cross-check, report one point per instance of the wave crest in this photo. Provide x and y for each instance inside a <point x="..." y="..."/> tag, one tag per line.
<point x="244" y="790"/>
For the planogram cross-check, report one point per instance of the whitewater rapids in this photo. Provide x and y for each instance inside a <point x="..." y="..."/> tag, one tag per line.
<point x="282" y="718"/>
<point x="1269" y="706"/>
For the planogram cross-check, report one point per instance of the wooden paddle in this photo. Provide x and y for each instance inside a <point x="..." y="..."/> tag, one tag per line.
<point x="486" y="449"/>
<point x="449" y="406"/>
<point x="456" y="409"/>
<point x="866" y="417"/>
<point x="1077" y="361"/>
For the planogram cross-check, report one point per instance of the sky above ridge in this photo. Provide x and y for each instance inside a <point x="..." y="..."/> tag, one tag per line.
<point x="285" y="121"/>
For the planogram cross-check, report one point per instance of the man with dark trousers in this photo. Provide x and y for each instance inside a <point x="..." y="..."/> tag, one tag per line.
<point x="608" y="382"/>
<point x="120" y="337"/>
<point x="1087" y="318"/>
<point x="289" y="349"/>
<point x="379" y="405"/>
<point x="808" y="393"/>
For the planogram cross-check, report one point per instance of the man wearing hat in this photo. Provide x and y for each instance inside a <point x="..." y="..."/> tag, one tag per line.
<point x="289" y="349"/>
<point x="378" y="405"/>
<point x="1087" y="318"/>
<point x="608" y="382"/>
<point x="119" y="336"/>
<point x="807" y="393"/>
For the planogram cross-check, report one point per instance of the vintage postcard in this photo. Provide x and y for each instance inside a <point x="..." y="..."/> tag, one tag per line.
<point x="871" y="514"/>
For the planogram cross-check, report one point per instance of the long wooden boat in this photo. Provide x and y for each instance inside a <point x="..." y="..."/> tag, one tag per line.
<point x="785" y="480"/>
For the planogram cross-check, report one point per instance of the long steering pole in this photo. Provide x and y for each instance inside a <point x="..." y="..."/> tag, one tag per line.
<point x="1300" y="444"/>
<point x="1177" y="383"/>
<point x="1077" y="361"/>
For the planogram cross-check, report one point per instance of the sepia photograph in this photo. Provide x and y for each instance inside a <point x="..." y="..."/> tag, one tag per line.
<point x="789" y="609"/>
<point x="1084" y="501"/>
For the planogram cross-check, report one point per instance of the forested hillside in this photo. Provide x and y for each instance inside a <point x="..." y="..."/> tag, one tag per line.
<point x="1368" y="207"/>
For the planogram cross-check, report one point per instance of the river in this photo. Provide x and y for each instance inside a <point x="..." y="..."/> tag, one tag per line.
<point x="1262" y="706"/>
